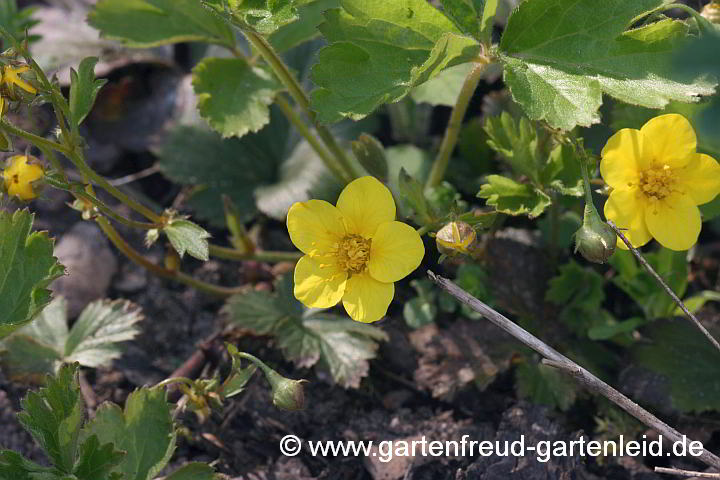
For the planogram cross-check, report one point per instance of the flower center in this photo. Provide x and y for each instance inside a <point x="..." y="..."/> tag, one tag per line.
<point x="353" y="253"/>
<point x="657" y="182"/>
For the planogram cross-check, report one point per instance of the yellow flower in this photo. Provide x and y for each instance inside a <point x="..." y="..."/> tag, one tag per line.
<point x="20" y="175"/>
<point x="658" y="180"/>
<point x="353" y="251"/>
<point x="11" y="77"/>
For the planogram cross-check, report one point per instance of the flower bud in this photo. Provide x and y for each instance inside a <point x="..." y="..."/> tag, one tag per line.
<point x="287" y="394"/>
<point x="22" y="175"/>
<point x="711" y="11"/>
<point x="595" y="240"/>
<point x="456" y="238"/>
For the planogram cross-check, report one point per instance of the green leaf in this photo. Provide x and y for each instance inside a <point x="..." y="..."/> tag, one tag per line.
<point x="370" y="153"/>
<point x="144" y="430"/>
<point x="690" y="362"/>
<point x="337" y="344"/>
<point x="27" y="267"/>
<point x="14" y="466"/>
<point x="560" y="56"/>
<point x="149" y="23"/>
<point x="444" y="88"/>
<point x="513" y="198"/>
<point x="54" y="415"/>
<point x="697" y="301"/>
<point x="610" y="330"/>
<point x="41" y="347"/>
<point x="264" y="16"/>
<point x="239" y="376"/>
<point x="466" y="14"/>
<point x="193" y="471"/>
<point x="379" y="51"/>
<point x="412" y="192"/>
<point x="517" y="142"/>
<point x="545" y="385"/>
<point x="185" y="236"/>
<point x="562" y="171"/>
<point x="310" y="15"/>
<point x="580" y="291"/>
<point x="475" y="280"/>
<point x="234" y="96"/>
<point x="419" y="312"/>
<point x="17" y="21"/>
<point x="84" y="88"/>
<point x="97" y="461"/>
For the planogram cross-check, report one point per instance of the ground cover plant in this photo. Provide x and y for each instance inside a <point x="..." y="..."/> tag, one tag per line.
<point x="341" y="196"/>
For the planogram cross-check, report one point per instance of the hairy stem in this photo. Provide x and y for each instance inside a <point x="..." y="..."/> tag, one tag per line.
<point x="452" y="132"/>
<point x="269" y="256"/>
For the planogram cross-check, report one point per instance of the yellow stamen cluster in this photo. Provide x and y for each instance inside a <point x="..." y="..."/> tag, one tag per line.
<point x="657" y="182"/>
<point x="352" y="253"/>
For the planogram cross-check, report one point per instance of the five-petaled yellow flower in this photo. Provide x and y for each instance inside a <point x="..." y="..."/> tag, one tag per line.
<point x="19" y="176"/>
<point x="353" y="251"/>
<point x="658" y="180"/>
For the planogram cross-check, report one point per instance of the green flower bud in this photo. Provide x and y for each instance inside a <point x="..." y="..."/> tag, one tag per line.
<point x="595" y="240"/>
<point x="287" y="394"/>
<point x="456" y="238"/>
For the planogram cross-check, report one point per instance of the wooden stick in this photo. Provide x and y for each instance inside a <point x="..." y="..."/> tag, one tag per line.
<point x="557" y="360"/>
<point x="686" y="473"/>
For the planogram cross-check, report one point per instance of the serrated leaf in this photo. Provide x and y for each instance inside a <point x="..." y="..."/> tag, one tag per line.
<point x="580" y="291"/>
<point x="97" y="461"/>
<point x="149" y="23"/>
<point x="144" y="429"/>
<point x="43" y="346"/>
<point x="264" y="16"/>
<point x="562" y="171"/>
<point x="545" y="385"/>
<point x="561" y="55"/>
<point x="186" y="236"/>
<point x="689" y="361"/>
<point x="379" y="51"/>
<point x="310" y="15"/>
<point x="14" y="466"/>
<point x="302" y="176"/>
<point x="53" y="416"/>
<point x="516" y="140"/>
<point x="84" y="88"/>
<point x="444" y="88"/>
<point x="234" y="96"/>
<point x="193" y="471"/>
<point x="27" y="267"/>
<point x="513" y="198"/>
<point x="338" y="344"/>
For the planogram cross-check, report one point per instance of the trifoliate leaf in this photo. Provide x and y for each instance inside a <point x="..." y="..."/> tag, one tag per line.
<point x="144" y="430"/>
<point x="310" y="15"/>
<point x="27" y="267"/>
<point x="149" y="23"/>
<point x="379" y="51"/>
<point x="234" y="96"/>
<point x="560" y="56"/>
<point x="186" y="236"/>
<point x="193" y="471"/>
<point x="53" y="416"/>
<point x="338" y="344"/>
<point x="43" y="346"/>
<point x="545" y="385"/>
<point x="84" y="88"/>
<point x="513" y="198"/>
<point x="689" y="361"/>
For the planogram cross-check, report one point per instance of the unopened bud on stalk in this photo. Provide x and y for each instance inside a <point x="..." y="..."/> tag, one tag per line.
<point x="287" y="394"/>
<point x="456" y="238"/>
<point x="595" y="240"/>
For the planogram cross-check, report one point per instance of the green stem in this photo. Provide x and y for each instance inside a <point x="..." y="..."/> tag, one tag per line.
<point x="136" y="257"/>
<point x="440" y="165"/>
<point x="36" y="140"/>
<point x="269" y="256"/>
<point x="330" y="161"/>
<point x="262" y="365"/>
<point x="112" y="214"/>
<point x="424" y="229"/>
<point x="298" y="94"/>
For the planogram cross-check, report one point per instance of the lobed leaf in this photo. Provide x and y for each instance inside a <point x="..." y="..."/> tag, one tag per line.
<point x="186" y="236"/>
<point x="513" y="198"/>
<point x="84" y="88"/>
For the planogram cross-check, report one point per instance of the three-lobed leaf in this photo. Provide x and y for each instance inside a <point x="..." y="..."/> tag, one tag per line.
<point x="27" y="267"/>
<point x="234" y="96"/>
<point x="514" y="198"/>
<point x="84" y="88"/>
<point x="188" y="237"/>
<point x="561" y="56"/>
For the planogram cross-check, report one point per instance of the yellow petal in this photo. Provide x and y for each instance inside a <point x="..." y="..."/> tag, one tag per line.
<point x="674" y="222"/>
<point x="623" y="157"/>
<point x="315" y="226"/>
<point x="396" y="251"/>
<point x="700" y="178"/>
<point x="671" y="138"/>
<point x="367" y="300"/>
<point x="318" y="285"/>
<point x="626" y="208"/>
<point x="366" y="203"/>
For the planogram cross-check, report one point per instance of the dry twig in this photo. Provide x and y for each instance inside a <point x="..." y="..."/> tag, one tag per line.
<point x="556" y="359"/>
<point x="686" y="473"/>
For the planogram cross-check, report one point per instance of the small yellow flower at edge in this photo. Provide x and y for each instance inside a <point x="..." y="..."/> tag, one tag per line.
<point x="19" y="176"/>
<point x="658" y="180"/>
<point x="11" y="78"/>
<point x="354" y="251"/>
